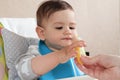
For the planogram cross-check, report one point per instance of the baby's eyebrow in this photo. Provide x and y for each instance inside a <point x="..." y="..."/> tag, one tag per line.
<point x="61" y="23"/>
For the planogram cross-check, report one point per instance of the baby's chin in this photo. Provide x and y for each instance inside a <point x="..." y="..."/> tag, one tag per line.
<point x="67" y="44"/>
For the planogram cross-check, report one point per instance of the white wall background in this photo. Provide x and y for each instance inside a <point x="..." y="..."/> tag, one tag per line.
<point x="98" y="21"/>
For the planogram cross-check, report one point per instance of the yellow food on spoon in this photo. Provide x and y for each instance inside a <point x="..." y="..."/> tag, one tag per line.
<point x="80" y="51"/>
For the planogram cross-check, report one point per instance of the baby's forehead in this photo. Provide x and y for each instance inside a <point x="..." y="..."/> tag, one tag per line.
<point x="60" y="17"/>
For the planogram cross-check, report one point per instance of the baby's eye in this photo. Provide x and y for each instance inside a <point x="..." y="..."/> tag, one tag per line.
<point x="59" y="28"/>
<point x="72" y="27"/>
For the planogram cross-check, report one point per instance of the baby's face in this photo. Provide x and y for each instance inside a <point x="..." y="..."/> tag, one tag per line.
<point x="60" y="29"/>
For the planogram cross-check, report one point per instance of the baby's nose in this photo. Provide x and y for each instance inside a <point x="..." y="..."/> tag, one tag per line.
<point x="67" y="31"/>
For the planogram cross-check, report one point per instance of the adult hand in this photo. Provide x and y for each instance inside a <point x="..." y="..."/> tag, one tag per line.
<point x="102" y="67"/>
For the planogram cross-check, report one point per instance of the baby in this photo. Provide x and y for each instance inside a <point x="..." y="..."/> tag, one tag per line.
<point x="56" y="28"/>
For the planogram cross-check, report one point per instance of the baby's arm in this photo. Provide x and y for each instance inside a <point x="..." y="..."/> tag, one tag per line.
<point x="31" y="65"/>
<point x="43" y="64"/>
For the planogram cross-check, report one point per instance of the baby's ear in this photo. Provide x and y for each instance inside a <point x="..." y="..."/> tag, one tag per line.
<point x="40" y="32"/>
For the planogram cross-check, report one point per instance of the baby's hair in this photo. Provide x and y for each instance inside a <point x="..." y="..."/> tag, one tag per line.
<point x="47" y="8"/>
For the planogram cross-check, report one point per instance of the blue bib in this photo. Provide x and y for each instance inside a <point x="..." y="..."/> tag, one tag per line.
<point x="68" y="69"/>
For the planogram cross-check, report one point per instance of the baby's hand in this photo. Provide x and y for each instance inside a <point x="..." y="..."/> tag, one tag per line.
<point x="67" y="52"/>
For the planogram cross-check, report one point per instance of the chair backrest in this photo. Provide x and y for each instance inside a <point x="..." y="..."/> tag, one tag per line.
<point x="22" y="26"/>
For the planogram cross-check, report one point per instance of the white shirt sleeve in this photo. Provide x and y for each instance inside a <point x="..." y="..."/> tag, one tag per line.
<point x="23" y="64"/>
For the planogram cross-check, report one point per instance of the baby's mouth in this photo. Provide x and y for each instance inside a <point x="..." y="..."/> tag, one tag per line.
<point x="67" y="38"/>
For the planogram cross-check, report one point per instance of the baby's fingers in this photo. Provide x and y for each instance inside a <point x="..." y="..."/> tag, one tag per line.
<point x="77" y="44"/>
